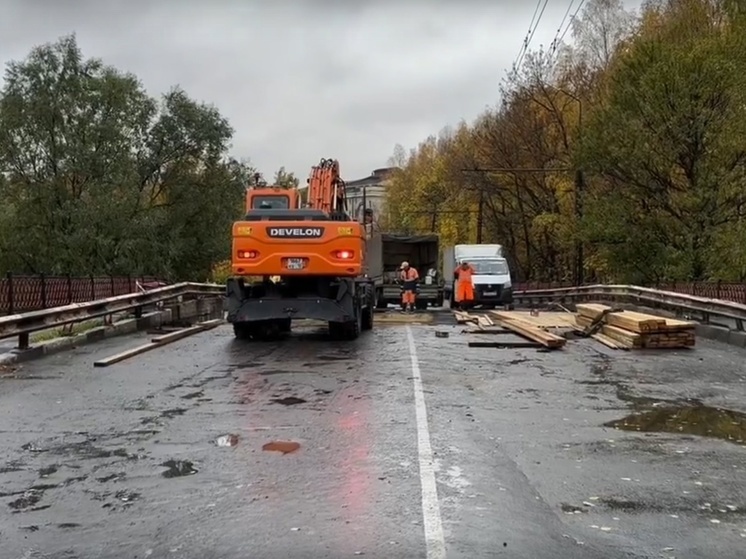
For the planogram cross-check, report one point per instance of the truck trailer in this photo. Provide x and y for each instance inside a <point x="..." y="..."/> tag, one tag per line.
<point x="422" y="252"/>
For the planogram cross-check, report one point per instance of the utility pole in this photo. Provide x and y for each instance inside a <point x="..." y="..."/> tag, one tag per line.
<point x="480" y="216"/>
<point x="579" y="252"/>
<point x="579" y="190"/>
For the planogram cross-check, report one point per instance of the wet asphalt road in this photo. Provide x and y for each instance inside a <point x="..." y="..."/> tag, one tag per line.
<point x="124" y="461"/>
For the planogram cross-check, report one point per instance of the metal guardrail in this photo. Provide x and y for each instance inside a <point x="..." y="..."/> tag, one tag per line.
<point x="702" y="309"/>
<point x="22" y="325"/>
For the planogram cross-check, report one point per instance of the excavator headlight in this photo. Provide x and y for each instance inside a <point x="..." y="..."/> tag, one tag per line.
<point x="344" y="254"/>
<point x="247" y="254"/>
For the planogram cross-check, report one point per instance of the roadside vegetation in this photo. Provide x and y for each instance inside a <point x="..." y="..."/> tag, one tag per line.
<point x="620" y="158"/>
<point x="99" y="178"/>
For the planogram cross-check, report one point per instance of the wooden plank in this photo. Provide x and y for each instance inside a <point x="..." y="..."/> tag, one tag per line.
<point x="542" y="320"/>
<point x="523" y="344"/>
<point x="673" y="325"/>
<point x="491" y="331"/>
<point x="608" y="342"/>
<point x="463" y="317"/>
<point x="534" y="334"/>
<point x="164" y="340"/>
<point x="631" y="339"/>
<point x="636" y="322"/>
<point x="116" y="358"/>
<point x="184" y="332"/>
<point x="590" y="310"/>
<point x="484" y="320"/>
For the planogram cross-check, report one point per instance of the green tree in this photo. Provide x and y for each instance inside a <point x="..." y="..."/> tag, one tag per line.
<point x="285" y="179"/>
<point x="670" y="144"/>
<point x="100" y="178"/>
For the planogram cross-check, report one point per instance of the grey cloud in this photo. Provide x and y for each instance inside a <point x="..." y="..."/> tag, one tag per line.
<point x="300" y="80"/>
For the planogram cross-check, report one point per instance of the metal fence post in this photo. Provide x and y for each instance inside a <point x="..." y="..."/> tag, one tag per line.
<point x="93" y="289"/>
<point x="43" y="291"/>
<point x="11" y="303"/>
<point x="69" y="289"/>
<point x="111" y="278"/>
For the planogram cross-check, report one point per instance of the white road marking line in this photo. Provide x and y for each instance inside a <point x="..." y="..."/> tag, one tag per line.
<point x="434" y="537"/>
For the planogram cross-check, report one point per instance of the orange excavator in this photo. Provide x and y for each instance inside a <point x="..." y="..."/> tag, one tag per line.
<point x="291" y="262"/>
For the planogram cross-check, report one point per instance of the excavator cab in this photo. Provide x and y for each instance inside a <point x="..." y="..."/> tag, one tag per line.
<point x="318" y="252"/>
<point x="272" y="198"/>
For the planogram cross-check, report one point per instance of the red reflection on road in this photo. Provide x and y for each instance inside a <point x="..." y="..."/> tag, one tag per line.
<point x="356" y="493"/>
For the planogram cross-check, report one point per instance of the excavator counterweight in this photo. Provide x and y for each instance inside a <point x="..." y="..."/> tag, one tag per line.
<point x="291" y="262"/>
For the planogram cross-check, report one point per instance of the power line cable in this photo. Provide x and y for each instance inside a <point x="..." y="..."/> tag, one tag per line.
<point x="555" y="41"/>
<point x="524" y="43"/>
<point x="536" y="26"/>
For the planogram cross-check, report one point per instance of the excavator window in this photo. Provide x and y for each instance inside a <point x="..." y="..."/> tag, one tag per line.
<point x="270" y="203"/>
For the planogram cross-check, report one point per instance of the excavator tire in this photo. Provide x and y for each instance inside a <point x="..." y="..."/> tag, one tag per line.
<point x="242" y="331"/>
<point x="346" y="330"/>
<point x="367" y="313"/>
<point x="367" y="318"/>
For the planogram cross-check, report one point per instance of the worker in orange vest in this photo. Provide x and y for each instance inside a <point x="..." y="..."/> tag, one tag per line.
<point x="409" y="277"/>
<point x="465" y="288"/>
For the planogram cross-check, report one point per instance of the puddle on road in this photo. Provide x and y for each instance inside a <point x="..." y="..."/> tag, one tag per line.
<point x="286" y="447"/>
<point x="703" y="421"/>
<point x="178" y="468"/>
<point x="29" y="499"/>
<point x="289" y="401"/>
<point x="227" y="440"/>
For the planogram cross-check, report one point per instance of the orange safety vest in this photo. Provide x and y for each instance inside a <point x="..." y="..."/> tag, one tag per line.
<point x="409" y="274"/>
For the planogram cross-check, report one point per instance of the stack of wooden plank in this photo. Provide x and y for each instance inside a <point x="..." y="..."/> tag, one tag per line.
<point x="634" y="330"/>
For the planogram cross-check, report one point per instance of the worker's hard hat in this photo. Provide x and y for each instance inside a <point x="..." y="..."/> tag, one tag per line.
<point x="404" y="264"/>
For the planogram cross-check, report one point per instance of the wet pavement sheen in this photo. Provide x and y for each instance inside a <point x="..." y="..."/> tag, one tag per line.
<point x="211" y="447"/>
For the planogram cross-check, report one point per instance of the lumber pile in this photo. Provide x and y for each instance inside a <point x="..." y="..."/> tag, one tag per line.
<point x="634" y="330"/>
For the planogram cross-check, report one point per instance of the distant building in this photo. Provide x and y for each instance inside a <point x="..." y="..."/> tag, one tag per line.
<point x="372" y="189"/>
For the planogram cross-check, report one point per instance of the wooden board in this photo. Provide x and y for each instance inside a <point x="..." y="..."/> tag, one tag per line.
<point x="481" y="321"/>
<point x="622" y="336"/>
<point x="404" y="318"/>
<point x="609" y="342"/>
<point x="522" y="344"/>
<point x="116" y="358"/>
<point x="493" y="330"/>
<point x="184" y="332"/>
<point x="159" y="341"/>
<point x="533" y="333"/>
<point x="542" y="320"/>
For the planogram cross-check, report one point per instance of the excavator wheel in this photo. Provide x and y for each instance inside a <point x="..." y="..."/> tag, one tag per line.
<point x="367" y="318"/>
<point x="242" y="331"/>
<point x="346" y="330"/>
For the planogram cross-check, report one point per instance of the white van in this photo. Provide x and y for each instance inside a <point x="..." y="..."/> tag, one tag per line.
<point x="492" y="284"/>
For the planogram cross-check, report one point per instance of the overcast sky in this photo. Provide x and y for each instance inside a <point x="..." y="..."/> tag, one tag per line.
<point x="303" y="79"/>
